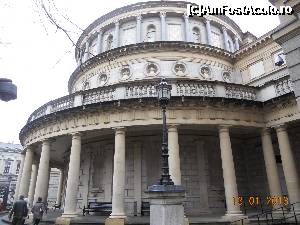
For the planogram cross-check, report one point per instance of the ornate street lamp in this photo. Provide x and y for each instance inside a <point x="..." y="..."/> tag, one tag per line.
<point x="163" y="95"/>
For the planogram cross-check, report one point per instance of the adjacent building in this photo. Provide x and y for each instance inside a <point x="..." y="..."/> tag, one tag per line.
<point x="10" y="164"/>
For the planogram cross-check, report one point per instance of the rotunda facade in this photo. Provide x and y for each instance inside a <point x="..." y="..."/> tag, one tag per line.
<point x="229" y="117"/>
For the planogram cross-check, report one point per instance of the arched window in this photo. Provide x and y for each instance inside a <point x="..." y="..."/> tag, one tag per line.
<point x="196" y="35"/>
<point x="231" y="47"/>
<point x="109" y="42"/>
<point x="151" y="33"/>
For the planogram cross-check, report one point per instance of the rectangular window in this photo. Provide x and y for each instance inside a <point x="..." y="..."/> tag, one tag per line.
<point x="256" y="69"/>
<point x="18" y="166"/>
<point x="216" y="39"/>
<point x="174" y="32"/>
<point x="129" y="36"/>
<point x="7" y="166"/>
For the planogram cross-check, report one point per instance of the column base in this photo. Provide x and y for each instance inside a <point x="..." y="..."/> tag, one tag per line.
<point x="115" y="221"/>
<point x="234" y="216"/>
<point x="69" y="215"/>
<point x="186" y="221"/>
<point x="63" y="221"/>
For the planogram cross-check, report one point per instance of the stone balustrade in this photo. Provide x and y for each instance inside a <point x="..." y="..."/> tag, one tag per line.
<point x="147" y="89"/>
<point x="138" y="91"/>
<point x="65" y="102"/>
<point x="240" y="92"/>
<point x="196" y="89"/>
<point x="99" y="95"/>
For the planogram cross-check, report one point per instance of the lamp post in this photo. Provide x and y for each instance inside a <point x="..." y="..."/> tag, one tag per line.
<point x="166" y="199"/>
<point x="165" y="183"/>
<point x="163" y="95"/>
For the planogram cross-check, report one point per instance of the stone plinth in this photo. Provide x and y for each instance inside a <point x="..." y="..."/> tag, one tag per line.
<point x="115" y="221"/>
<point x="166" y="204"/>
<point x="63" y="221"/>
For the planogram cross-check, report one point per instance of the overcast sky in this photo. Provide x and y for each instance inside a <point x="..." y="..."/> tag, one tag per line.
<point x="40" y="59"/>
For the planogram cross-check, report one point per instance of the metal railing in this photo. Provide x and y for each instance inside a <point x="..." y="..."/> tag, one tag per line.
<point x="280" y="215"/>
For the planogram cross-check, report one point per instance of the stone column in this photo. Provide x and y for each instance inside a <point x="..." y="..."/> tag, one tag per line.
<point x="119" y="175"/>
<point x="236" y="43"/>
<point x="138" y="177"/>
<point x="99" y="42"/>
<point x="25" y="180"/>
<point x="86" y="52"/>
<point x="270" y="163"/>
<point x="174" y="158"/>
<point x="138" y="28"/>
<point x="208" y="32"/>
<point x="289" y="166"/>
<point x="60" y="187"/>
<point x="116" y="36"/>
<point x="225" y="35"/>
<point x="73" y="177"/>
<point x="163" y="26"/>
<point x="19" y="178"/>
<point x="187" y="27"/>
<point x="230" y="185"/>
<point x="32" y="184"/>
<point x="41" y="189"/>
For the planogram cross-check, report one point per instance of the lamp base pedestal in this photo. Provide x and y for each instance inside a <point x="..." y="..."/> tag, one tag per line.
<point x="166" y="205"/>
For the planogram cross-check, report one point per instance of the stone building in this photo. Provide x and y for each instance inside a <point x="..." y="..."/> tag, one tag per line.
<point x="233" y="126"/>
<point x="10" y="163"/>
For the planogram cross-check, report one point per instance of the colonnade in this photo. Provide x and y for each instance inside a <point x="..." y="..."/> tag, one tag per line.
<point x="39" y="175"/>
<point x="163" y="35"/>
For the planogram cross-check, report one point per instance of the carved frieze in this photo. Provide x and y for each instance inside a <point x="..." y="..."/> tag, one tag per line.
<point x="283" y="87"/>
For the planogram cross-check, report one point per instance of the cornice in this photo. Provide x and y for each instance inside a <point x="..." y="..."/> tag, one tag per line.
<point x="148" y="47"/>
<point x="254" y="46"/>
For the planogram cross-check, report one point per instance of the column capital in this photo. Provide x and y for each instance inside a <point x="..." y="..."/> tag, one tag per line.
<point x="172" y="126"/>
<point x="139" y="17"/>
<point x="224" y="127"/>
<point x="163" y="14"/>
<point x="265" y="131"/>
<point x="47" y="141"/>
<point x="280" y="128"/>
<point x="185" y="16"/>
<point x="28" y="148"/>
<point x="224" y="28"/>
<point x="207" y="21"/>
<point x="100" y="31"/>
<point x="117" y="23"/>
<point x="119" y="130"/>
<point x="236" y="38"/>
<point x="75" y="134"/>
